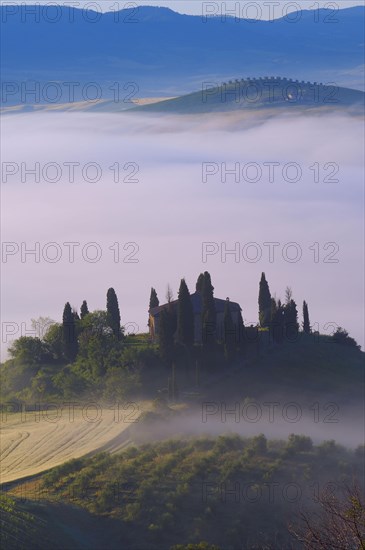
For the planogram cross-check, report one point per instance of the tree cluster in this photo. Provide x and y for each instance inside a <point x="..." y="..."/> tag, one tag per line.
<point x="280" y="318"/>
<point x="179" y="331"/>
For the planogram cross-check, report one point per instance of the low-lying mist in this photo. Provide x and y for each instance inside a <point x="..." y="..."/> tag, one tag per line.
<point x="345" y="426"/>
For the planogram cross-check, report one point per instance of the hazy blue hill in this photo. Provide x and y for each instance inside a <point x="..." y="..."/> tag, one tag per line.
<point x="260" y="93"/>
<point x="162" y="50"/>
<point x="264" y="97"/>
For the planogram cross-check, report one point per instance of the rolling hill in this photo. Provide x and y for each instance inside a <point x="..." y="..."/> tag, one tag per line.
<point x="267" y="95"/>
<point x="260" y="93"/>
<point x="151" y="495"/>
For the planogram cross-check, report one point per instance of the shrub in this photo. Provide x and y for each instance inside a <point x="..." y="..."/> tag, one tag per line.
<point x="341" y="336"/>
<point x="299" y="443"/>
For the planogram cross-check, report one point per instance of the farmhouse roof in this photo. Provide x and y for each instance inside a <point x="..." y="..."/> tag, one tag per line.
<point x="196" y="299"/>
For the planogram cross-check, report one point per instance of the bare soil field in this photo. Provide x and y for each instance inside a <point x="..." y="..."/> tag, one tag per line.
<point x="34" y="441"/>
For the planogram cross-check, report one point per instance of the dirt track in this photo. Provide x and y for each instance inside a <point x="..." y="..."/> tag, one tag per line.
<point x="33" y="442"/>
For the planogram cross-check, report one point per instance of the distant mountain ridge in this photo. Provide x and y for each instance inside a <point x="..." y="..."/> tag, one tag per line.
<point x="166" y="53"/>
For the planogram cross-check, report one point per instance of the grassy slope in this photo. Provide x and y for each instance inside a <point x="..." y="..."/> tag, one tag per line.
<point x="157" y="496"/>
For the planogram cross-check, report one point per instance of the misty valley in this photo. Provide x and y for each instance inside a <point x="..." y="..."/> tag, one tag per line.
<point x="182" y="261"/>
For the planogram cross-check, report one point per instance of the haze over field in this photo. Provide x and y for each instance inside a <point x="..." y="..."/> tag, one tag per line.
<point x="35" y="441"/>
<point x="169" y="212"/>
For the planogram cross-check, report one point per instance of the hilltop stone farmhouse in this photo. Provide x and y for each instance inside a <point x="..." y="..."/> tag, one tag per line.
<point x="196" y="298"/>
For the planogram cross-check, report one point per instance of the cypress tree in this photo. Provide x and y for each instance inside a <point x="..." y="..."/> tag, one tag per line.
<point x="166" y="337"/>
<point x="291" y="320"/>
<point x="154" y="302"/>
<point x="288" y="295"/>
<point x="274" y="308"/>
<point x="241" y="332"/>
<point x="273" y="319"/>
<point x="294" y="314"/>
<point x="209" y="316"/>
<point x="264" y="302"/>
<point x="69" y="339"/>
<point x="84" y="309"/>
<point x="306" y="324"/>
<point x="277" y="322"/>
<point x="185" y="316"/>
<point x="113" y="314"/>
<point x="200" y="283"/>
<point x="229" y="333"/>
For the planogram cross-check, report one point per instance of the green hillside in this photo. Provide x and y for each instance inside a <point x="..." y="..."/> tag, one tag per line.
<point x="180" y="492"/>
<point x="22" y="526"/>
<point x="313" y="367"/>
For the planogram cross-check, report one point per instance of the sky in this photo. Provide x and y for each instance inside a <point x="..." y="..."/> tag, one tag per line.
<point x="270" y="8"/>
<point x="156" y="205"/>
